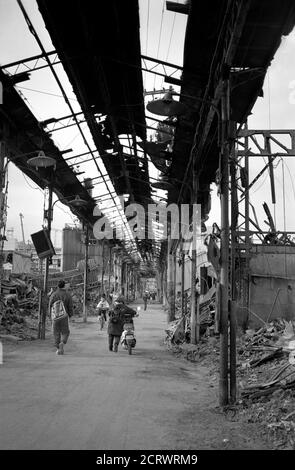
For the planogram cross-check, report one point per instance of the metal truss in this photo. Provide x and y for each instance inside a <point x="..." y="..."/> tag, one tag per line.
<point x="158" y="67"/>
<point x="31" y="64"/>
<point x="162" y="69"/>
<point x="270" y="145"/>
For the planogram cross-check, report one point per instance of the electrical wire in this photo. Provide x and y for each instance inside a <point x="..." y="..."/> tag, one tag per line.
<point x="291" y="179"/>
<point x="44" y="92"/>
<point x="284" y="212"/>
<point x="159" y="43"/>
<point x="284" y="195"/>
<point x="67" y="100"/>
<point x="32" y="187"/>
<point x="147" y="37"/>
<point x="260" y="186"/>
<point x="170" y="40"/>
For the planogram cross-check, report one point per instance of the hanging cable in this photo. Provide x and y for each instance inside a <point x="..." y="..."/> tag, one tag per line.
<point x="284" y="213"/>
<point x="39" y="42"/>
<point x="171" y="35"/>
<point x="291" y="179"/>
<point x="43" y="92"/>
<point x="147" y="38"/>
<point x="269" y="126"/>
<point x="161" y="26"/>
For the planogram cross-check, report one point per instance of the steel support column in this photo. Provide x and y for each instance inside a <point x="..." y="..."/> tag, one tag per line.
<point x="234" y="222"/>
<point x="170" y="278"/>
<point x="182" y="258"/>
<point x="44" y="297"/>
<point x="194" y="307"/>
<point x="86" y="255"/>
<point x="224" y="249"/>
<point x="2" y="204"/>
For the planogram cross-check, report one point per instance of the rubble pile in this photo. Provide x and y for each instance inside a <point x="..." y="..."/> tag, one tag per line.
<point x="92" y="300"/>
<point x="265" y="370"/>
<point x="266" y="379"/>
<point x="19" y="309"/>
<point x="179" y="331"/>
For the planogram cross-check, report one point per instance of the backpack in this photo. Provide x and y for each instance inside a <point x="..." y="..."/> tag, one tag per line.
<point x="115" y="316"/>
<point x="58" y="310"/>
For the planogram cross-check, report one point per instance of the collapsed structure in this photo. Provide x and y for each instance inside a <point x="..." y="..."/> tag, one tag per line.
<point x="247" y="273"/>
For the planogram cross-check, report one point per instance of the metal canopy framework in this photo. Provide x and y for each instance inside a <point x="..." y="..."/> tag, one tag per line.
<point x="110" y="96"/>
<point x="97" y="63"/>
<point x="24" y="137"/>
<point x="98" y="45"/>
<point x="244" y="36"/>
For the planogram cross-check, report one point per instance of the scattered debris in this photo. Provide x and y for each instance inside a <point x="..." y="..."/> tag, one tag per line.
<point x="19" y="305"/>
<point x="265" y="370"/>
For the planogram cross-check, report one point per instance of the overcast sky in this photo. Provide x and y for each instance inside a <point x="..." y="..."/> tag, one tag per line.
<point x="162" y="35"/>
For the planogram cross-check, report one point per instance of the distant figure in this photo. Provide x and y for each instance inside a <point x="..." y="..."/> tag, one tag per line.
<point x="60" y="308"/>
<point x="145" y="299"/>
<point x="103" y="306"/>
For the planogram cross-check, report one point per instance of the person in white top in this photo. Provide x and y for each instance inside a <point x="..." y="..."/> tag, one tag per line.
<point x="103" y="306"/>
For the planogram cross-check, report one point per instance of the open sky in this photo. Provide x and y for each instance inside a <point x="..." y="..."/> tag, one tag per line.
<point x="162" y="36"/>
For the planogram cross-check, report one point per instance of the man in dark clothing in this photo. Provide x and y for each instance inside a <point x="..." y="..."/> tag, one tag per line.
<point x="115" y="327"/>
<point x="60" y="327"/>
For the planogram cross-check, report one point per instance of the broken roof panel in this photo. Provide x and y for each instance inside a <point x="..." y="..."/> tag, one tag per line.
<point x="243" y="34"/>
<point x="24" y="137"/>
<point x="99" y="46"/>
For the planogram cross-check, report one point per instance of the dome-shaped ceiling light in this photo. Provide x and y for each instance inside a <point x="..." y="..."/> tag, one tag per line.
<point x="78" y="202"/>
<point x="163" y="184"/>
<point x="166" y="106"/>
<point x="157" y="150"/>
<point x="41" y="161"/>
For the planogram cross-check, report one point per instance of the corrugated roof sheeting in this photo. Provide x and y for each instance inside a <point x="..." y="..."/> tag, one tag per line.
<point x="99" y="45"/>
<point x="263" y="24"/>
<point x="23" y="135"/>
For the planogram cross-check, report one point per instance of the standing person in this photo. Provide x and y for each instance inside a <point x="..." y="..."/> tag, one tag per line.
<point x="115" y="327"/>
<point x="145" y="298"/>
<point x="61" y="308"/>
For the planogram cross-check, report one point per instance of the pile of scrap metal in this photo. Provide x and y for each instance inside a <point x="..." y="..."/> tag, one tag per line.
<point x="207" y="310"/>
<point x="21" y="293"/>
<point x="93" y="298"/>
<point x="274" y="237"/>
<point x="266" y="377"/>
<point x="19" y="307"/>
<point x="178" y="331"/>
<point x="275" y="341"/>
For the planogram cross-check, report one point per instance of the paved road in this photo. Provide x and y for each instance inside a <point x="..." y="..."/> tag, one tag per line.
<point x="92" y="398"/>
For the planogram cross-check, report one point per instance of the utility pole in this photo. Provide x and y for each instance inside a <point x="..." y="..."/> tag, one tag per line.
<point x="102" y="268"/>
<point x="85" y="273"/>
<point x="182" y="259"/>
<point x="224" y="248"/>
<point x="234" y="223"/>
<point x="194" y="307"/>
<point x="2" y="203"/>
<point x="22" y="227"/>
<point x="110" y="267"/>
<point x="170" y="278"/>
<point x="44" y="301"/>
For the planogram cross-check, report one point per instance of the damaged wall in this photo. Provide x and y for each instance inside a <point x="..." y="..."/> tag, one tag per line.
<point x="73" y="249"/>
<point x="271" y="285"/>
